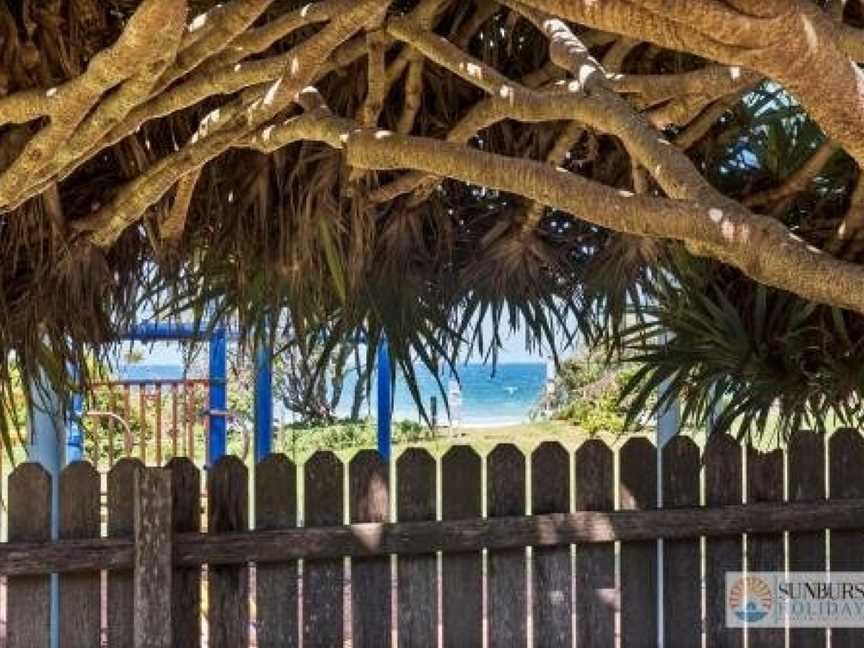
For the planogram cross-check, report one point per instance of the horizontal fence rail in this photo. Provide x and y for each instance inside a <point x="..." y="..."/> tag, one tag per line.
<point x="547" y="548"/>
<point x="380" y="539"/>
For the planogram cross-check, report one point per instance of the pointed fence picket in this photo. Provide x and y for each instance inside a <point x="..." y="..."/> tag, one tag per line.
<point x="846" y="480"/>
<point x="323" y="579"/>
<point x="549" y="577"/>
<point x="507" y="571"/>
<point x="417" y="574"/>
<point x="80" y="601"/>
<point x="276" y="583"/>
<point x="462" y="572"/>
<point x="723" y="486"/>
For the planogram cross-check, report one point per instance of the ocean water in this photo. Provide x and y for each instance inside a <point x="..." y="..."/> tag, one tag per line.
<point x="149" y="372"/>
<point x="504" y="396"/>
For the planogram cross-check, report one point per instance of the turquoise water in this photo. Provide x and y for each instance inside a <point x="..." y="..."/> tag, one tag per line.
<point x="151" y="372"/>
<point x="506" y="396"/>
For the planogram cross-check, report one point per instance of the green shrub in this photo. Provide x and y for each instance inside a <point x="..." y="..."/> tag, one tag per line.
<point x="588" y="393"/>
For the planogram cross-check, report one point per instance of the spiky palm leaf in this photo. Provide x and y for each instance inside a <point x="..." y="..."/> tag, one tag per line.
<point x="745" y="359"/>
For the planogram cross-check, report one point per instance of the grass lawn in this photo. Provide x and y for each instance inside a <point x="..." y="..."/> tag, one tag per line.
<point x="346" y="439"/>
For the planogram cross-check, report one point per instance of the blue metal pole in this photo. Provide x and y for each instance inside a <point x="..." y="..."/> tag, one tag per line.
<point x="218" y="429"/>
<point x="263" y="402"/>
<point x="384" y="411"/>
<point x="74" y="432"/>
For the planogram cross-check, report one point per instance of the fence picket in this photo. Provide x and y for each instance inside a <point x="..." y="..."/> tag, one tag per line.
<point x="121" y="521"/>
<point x="80" y="595"/>
<point x="371" y="581"/>
<point x="596" y="596"/>
<point x="681" y="558"/>
<point x="846" y="480"/>
<point x="28" y="604"/>
<point x="276" y="583"/>
<point x="508" y="581"/>
<point x="153" y="558"/>
<point x="463" y="572"/>
<point x="323" y="580"/>
<point x="723" y="485"/>
<point x="765" y="550"/>
<point x="552" y="577"/>
<point x="186" y="581"/>
<point x="638" y="491"/>
<point x="806" y="550"/>
<point x="417" y="575"/>
<point x="228" y="586"/>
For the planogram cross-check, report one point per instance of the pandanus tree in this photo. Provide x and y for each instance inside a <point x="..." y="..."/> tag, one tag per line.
<point x="411" y="167"/>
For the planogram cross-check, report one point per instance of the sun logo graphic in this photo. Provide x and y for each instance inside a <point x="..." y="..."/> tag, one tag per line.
<point x="750" y="598"/>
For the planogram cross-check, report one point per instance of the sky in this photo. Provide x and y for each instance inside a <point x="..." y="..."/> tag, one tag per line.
<point x="513" y="350"/>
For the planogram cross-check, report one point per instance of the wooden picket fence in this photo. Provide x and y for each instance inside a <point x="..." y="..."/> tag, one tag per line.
<point x="462" y="570"/>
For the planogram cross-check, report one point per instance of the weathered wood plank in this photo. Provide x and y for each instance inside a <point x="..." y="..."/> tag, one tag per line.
<point x="276" y="583"/>
<point x="765" y="550"/>
<point x="228" y="586"/>
<point x="462" y="573"/>
<point x="723" y="485"/>
<point x="638" y="491"/>
<point x="681" y="560"/>
<point x="507" y="568"/>
<point x="28" y="604"/>
<point x="121" y="524"/>
<point x="417" y="575"/>
<point x="807" y="550"/>
<point x="191" y="549"/>
<point x="596" y="595"/>
<point x="80" y="594"/>
<point x="152" y="579"/>
<point x="552" y="577"/>
<point x="371" y="581"/>
<point x="186" y="581"/>
<point x="846" y="480"/>
<point x="323" y="580"/>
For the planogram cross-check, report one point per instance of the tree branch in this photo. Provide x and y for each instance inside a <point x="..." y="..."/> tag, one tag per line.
<point x="153" y="34"/>
<point x="131" y="201"/>
<point x="758" y="245"/>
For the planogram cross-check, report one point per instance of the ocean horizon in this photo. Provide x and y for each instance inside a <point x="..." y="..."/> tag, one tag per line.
<point x="502" y="395"/>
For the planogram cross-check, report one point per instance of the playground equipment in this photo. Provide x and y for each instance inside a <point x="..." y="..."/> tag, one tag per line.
<point x="56" y="438"/>
<point x="47" y="446"/>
